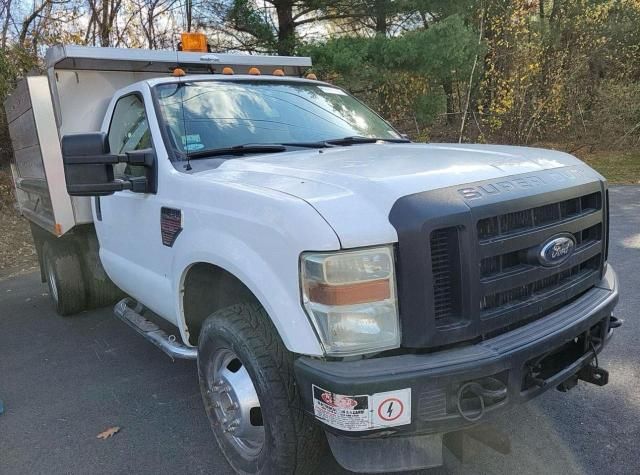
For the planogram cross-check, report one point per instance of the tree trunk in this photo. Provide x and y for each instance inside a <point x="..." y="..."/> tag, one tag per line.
<point x="555" y="10"/>
<point x="5" y="26"/>
<point x="286" y="28"/>
<point x="189" y="8"/>
<point x="29" y="20"/>
<point x="447" y="85"/>
<point x="104" y="24"/>
<point x="151" y="30"/>
<point x="381" y="17"/>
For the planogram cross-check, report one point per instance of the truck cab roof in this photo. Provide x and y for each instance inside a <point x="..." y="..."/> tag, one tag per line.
<point x="233" y="78"/>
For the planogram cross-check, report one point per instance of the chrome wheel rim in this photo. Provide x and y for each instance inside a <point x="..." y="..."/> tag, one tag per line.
<point x="235" y="404"/>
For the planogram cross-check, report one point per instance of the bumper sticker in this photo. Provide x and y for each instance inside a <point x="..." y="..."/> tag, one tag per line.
<point x="364" y="412"/>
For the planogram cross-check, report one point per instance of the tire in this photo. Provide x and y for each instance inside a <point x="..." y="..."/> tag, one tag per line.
<point x="237" y="343"/>
<point x="101" y="291"/>
<point x="63" y="273"/>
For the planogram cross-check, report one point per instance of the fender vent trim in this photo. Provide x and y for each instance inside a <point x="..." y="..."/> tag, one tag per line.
<point x="170" y="225"/>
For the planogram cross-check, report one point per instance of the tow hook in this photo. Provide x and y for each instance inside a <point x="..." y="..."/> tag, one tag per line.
<point x="487" y="392"/>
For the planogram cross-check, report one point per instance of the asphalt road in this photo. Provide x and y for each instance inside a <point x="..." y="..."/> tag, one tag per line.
<point x="65" y="380"/>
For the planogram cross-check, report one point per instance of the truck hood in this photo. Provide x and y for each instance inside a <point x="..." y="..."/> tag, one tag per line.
<point x="354" y="187"/>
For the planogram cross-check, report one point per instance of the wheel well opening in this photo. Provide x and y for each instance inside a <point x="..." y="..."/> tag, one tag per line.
<point x="207" y="289"/>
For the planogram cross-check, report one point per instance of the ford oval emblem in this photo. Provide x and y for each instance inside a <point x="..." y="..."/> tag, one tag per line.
<point x="557" y="250"/>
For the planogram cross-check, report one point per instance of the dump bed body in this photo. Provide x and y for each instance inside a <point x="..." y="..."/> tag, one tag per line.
<point x="72" y="97"/>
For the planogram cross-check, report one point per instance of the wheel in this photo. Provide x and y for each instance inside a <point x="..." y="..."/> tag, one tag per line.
<point x="63" y="273"/>
<point x="250" y="395"/>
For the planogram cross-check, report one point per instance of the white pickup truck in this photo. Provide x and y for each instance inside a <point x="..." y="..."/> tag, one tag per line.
<point x="334" y="281"/>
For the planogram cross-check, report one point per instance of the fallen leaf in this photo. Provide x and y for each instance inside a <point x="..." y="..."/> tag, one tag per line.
<point x="110" y="432"/>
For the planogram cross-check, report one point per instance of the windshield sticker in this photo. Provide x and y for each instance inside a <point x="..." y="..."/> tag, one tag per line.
<point x="191" y="143"/>
<point x="364" y="412"/>
<point x="332" y="90"/>
<point x="192" y="147"/>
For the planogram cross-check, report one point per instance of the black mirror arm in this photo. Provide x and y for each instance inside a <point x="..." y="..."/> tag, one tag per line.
<point x="135" y="184"/>
<point x="143" y="157"/>
<point x="102" y="159"/>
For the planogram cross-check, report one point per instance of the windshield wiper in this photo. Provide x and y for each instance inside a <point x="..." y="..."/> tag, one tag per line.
<point x="357" y="139"/>
<point x="319" y="144"/>
<point x="236" y="150"/>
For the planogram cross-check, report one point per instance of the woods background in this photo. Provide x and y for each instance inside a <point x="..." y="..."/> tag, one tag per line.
<point x="554" y="72"/>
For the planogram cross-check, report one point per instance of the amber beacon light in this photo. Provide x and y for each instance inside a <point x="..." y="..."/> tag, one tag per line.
<point x="194" y="42"/>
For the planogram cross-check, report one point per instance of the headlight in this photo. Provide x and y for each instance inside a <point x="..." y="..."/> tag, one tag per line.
<point x="351" y="299"/>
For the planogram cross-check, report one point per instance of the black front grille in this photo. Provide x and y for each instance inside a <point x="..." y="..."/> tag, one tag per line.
<point x="514" y="285"/>
<point x="468" y="257"/>
<point x="517" y="260"/>
<point x="444" y="267"/>
<point x="528" y="219"/>
<point x="539" y="288"/>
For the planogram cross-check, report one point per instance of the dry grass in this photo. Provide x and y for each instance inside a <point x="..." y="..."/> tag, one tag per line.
<point x="619" y="167"/>
<point x="17" y="254"/>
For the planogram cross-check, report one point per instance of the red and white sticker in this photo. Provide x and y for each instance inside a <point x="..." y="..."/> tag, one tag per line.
<point x="392" y="408"/>
<point x="363" y="412"/>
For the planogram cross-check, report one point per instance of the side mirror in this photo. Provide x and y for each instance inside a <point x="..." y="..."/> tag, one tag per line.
<point x="88" y="166"/>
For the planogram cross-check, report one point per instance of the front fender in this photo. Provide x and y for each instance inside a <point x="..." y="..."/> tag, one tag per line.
<point x="262" y="251"/>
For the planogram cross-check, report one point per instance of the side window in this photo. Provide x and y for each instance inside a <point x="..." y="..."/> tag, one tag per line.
<point x="129" y="130"/>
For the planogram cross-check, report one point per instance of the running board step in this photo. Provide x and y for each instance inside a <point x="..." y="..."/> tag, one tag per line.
<point x="130" y="312"/>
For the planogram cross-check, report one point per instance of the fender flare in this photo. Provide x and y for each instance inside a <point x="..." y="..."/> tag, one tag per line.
<point x="234" y="256"/>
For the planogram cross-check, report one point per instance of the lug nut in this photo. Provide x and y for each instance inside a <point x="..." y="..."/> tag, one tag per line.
<point x="232" y="426"/>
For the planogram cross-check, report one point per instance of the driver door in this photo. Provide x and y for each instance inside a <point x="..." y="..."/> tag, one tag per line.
<point x="128" y="223"/>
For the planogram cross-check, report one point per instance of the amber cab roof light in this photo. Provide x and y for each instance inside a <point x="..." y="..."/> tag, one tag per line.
<point x="194" y="42"/>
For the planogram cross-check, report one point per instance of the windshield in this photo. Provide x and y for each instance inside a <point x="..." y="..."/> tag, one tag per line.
<point x="208" y="115"/>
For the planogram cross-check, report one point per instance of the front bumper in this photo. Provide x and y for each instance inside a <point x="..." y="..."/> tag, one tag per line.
<point x="501" y="363"/>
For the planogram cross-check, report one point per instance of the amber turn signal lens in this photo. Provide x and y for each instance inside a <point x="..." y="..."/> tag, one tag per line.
<point x="254" y="71"/>
<point x="227" y="70"/>
<point x="350" y="294"/>
<point x="194" y="42"/>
